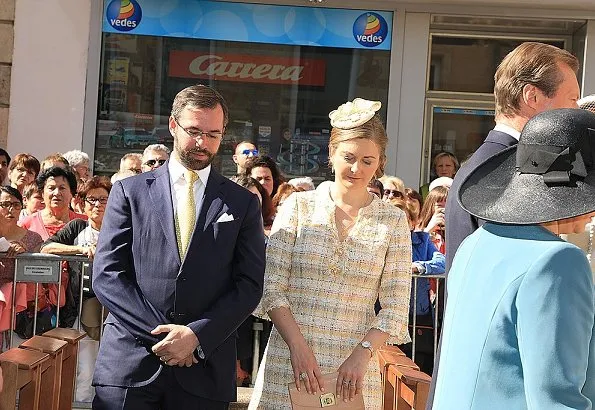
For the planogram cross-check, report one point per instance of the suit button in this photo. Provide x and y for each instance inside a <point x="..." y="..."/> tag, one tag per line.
<point x="183" y="279"/>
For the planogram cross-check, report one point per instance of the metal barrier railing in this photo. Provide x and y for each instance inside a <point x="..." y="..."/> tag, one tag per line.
<point x="41" y="268"/>
<point x="435" y="309"/>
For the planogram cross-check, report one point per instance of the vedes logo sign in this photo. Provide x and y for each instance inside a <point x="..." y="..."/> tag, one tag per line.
<point x="124" y="15"/>
<point x="370" y="29"/>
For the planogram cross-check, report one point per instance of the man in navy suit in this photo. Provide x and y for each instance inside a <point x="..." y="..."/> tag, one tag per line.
<point x="179" y="265"/>
<point x="532" y="78"/>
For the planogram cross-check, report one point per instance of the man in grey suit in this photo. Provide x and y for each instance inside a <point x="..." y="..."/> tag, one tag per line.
<point x="533" y="78"/>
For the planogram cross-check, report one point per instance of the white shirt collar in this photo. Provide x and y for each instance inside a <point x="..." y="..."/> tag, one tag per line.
<point x="508" y="130"/>
<point x="176" y="170"/>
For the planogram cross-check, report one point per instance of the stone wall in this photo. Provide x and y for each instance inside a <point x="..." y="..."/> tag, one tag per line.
<point x="6" y="49"/>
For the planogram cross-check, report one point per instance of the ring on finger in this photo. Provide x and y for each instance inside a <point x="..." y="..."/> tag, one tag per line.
<point x="351" y="384"/>
<point x="346" y="383"/>
<point x="303" y="376"/>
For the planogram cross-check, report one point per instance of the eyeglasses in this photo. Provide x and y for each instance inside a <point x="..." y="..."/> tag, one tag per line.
<point x="196" y="133"/>
<point x="14" y="205"/>
<point x="395" y="193"/>
<point x="152" y="162"/>
<point x="92" y="200"/>
<point x="247" y="152"/>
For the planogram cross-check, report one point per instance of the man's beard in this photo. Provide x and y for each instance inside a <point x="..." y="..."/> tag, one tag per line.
<point x="190" y="162"/>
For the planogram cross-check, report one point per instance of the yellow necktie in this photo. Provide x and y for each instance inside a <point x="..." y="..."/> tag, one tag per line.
<point x="186" y="216"/>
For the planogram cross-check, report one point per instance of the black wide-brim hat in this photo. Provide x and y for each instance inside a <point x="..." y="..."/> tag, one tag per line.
<point x="549" y="175"/>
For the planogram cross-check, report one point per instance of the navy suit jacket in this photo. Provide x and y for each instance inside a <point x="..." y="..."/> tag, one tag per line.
<point x="139" y="277"/>
<point x="459" y="223"/>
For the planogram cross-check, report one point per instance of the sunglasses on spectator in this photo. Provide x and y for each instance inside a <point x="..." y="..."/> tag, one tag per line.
<point x="247" y="152"/>
<point x="152" y="162"/>
<point x="92" y="200"/>
<point x="395" y="193"/>
<point x="13" y="205"/>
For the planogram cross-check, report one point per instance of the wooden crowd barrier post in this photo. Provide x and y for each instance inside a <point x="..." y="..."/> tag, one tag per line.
<point x="386" y="355"/>
<point x="50" y="388"/>
<point x="69" y="364"/>
<point x="413" y="387"/>
<point x="22" y="373"/>
<point x="391" y="361"/>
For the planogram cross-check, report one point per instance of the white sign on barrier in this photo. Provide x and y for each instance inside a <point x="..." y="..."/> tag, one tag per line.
<point x="37" y="271"/>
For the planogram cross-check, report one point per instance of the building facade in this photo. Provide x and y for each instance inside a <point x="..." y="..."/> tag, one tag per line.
<point x="101" y="75"/>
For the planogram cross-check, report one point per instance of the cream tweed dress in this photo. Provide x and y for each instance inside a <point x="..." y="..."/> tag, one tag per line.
<point x="331" y="286"/>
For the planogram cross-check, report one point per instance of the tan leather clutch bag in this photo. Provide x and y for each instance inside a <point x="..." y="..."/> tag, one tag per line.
<point x="301" y="400"/>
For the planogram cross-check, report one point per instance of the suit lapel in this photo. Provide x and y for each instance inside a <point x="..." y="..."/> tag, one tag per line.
<point x="160" y="194"/>
<point x="212" y="203"/>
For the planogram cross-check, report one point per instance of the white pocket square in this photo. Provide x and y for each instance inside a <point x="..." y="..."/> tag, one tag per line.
<point x="225" y="218"/>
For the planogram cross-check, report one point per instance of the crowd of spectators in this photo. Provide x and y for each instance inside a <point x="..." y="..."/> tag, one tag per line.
<point x="60" y="203"/>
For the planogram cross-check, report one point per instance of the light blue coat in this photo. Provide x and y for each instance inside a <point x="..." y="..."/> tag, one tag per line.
<point x="518" y="326"/>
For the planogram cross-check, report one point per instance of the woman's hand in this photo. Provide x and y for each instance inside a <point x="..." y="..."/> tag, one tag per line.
<point x="306" y="368"/>
<point x="351" y="374"/>
<point x="88" y="251"/>
<point x="15" y="248"/>
<point x="437" y="221"/>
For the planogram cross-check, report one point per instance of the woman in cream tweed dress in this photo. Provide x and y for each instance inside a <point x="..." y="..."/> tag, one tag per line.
<point x="331" y="253"/>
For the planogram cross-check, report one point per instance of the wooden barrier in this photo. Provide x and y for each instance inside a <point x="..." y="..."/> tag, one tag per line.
<point x="51" y="385"/>
<point x="412" y="388"/>
<point x="22" y="372"/>
<point x="404" y="386"/>
<point x="69" y="363"/>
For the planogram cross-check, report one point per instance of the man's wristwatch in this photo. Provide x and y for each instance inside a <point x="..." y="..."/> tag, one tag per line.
<point x="367" y="345"/>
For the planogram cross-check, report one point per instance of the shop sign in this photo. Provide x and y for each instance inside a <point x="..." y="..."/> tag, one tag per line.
<point x="370" y="29"/>
<point x="253" y="23"/>
<point x="123" y="15"/>
<point x="247" y="68"/>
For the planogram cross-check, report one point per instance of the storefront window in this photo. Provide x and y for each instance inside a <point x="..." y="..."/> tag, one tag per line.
<point x="468" y="64"/>
<point x="279" y="90"/>
<point x="459" y="131"/>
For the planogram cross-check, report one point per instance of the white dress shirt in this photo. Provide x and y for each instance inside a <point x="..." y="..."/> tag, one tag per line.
<point x="508" y="130"/>
<point x="178" y="183"/>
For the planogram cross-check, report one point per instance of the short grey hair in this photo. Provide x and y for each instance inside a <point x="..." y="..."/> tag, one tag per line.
<point x="130" y="155"/>
<point x="76" y="157"/>
<point x="156" y="148"/>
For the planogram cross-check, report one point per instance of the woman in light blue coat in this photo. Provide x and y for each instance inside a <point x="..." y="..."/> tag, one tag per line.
<point x="518" y="325"/>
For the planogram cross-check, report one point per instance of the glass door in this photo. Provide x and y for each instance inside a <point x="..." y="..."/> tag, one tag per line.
<point x="458" y="127"/>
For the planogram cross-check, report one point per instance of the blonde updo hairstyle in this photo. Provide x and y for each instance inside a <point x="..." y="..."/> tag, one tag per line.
<point x="372" y="130"/>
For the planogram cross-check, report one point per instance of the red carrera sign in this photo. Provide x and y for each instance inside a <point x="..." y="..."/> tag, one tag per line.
<point x="247" y="68"/>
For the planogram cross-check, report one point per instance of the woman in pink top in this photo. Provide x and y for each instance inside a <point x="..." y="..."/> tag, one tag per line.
<point x="58" y="186"/>
<point x="20" y="240"/>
